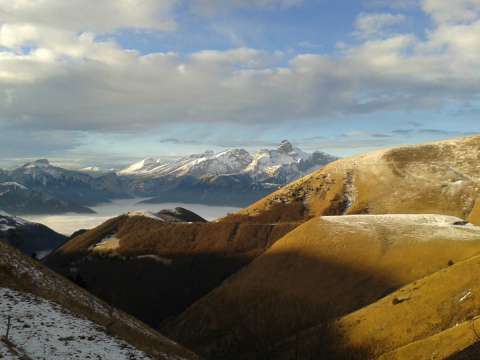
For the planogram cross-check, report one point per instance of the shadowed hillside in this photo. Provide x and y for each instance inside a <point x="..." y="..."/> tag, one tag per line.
<point x="432" y="318"/>
<point x="28" y="287"/>
<point x="121" y="260"/>
<point x="322" y="270"/>
<point x="33" y="239"/>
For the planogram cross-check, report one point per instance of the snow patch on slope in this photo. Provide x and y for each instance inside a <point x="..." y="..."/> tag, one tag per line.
<point x="9" y="222"/>
<point x="110" y="243"/>
<point x="45" y="330"/>
<point x="146" y="214"/>
<point x="420" y="219"/>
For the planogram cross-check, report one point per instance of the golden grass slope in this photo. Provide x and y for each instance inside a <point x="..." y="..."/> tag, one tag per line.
<point x="436" y="318"/>
<point x="437" y="178"/>
<point x="324" y="269"/>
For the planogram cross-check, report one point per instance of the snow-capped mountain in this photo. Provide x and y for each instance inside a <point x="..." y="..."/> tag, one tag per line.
<point x="76" y="187"/>
<point x="197" y="165"/>
<point x="232" y="177"/>
<point x="279" y="165"/>
<point x="29" y="237"/>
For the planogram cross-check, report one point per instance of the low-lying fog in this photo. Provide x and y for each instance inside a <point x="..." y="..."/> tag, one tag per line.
<point x="69" y="223"/>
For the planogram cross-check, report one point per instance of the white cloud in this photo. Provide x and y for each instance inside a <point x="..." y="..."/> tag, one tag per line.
<point x="69" y="79"/>
<point x="371" y="25"/>
<point x="444" y="11"/>
<point x="99" y="16"/>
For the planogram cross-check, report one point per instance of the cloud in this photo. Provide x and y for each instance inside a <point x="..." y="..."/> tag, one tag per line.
<point x="56" y="73"/>
<point x="31" y="143"/>
<point x="215" y="7"/>
<point x="101" y="16"/>
<point x="372" y="25"/>
<point x="448" y="11"/>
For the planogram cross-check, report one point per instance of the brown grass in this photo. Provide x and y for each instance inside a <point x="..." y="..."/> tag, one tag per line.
<point x="198" y="257"/>
<point x="439" y="178"/>
<point x="316" y="273"/>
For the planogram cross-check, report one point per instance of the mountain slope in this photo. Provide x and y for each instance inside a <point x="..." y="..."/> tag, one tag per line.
<point x="279" y="165"/>
<point x="432" y="318"/>
<point x="231" y="177"/>
<point x="438" y="178"/>
<point x="121" y="259"/>
<point x="67" y="185"/>
<point x="52" y="318"/>
<point x="322" y="270"/>
<point x="18" y="199"/>
<point x="30" y="238"/>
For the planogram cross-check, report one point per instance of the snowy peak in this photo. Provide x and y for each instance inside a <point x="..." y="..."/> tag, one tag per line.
<point x="143" y="166"/>
<point x="280" y="165"/>
<point x="285" y="146"/>
<point x="41" y="162"/>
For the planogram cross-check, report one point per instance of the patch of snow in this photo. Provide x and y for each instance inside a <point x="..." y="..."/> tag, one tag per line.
<point x="427" y="219"/>
<point x="9" y="222"/>
<point x="146" y="214"/>
<point x="23" y="267"/>
<point x="91" y="169"/>
<point x="110" y="243"/>
<point x="14" y="185"/>
<point x="465" y="296"/>
<point x="45" y="330"/>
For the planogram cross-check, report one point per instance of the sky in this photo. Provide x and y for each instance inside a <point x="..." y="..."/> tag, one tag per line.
<point x="107" y="82"/>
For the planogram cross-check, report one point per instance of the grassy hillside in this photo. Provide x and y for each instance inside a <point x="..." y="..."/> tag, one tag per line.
<point x="285" y="264"/>
<point x="434" y="178"/>
<point x="435" y="317"/>
<point x="320" y="271"/>
<point x="20" y="274"/>
<point x="155" y="270"/>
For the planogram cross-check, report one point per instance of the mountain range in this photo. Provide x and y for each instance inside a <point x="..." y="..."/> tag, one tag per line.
<point x="374" y="256"/>
<point x="370" y="257"/>
<point x="233" y="178"/>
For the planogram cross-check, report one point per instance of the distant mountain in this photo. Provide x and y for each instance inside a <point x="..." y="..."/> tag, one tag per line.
<point x="64" y="184"/>
<point x="231" y="177"/>
<point x="30" y="238"/>
<point x="17" y="199"/>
